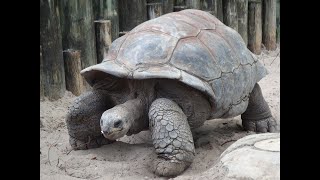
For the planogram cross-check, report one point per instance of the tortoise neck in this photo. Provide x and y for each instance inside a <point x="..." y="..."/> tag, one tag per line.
<point x="134" y="109"/>
<point x="142" y="91"/>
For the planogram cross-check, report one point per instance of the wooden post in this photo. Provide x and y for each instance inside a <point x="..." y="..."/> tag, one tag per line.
<point x="230" y="14"/>
<point x="278" y="21"/>
<point x="51" y="63"/>
<point x="179" y="8"/>
<point x="179" y="5"/>
<point x="269" y="24"/>
<point x="167" y="6"/>
<point x="154" y="10"/>
<point x="180" y="2"/>
<point x="193" y="4"/>
<point x="108" y="10"/>
<point x="131" y="14"/>
<point x="209" y="6"/>
<point x="220" y="10"/>
<point x="242" y="10"/>
<point x="103" y="38"/>
<point x="213" y="7"/>
<point x="78" y="29"/>
<point x="72" y="64"/>
<point x="255" y="26"/>
<point x="42" y="76"/>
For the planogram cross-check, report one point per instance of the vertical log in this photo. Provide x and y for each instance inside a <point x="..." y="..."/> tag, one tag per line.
<point x="193" y="4"/>
<point x="78" y="29"/>
<point x="209" y="6"/>
<point x="167" y="6"/>
<point x="180" y="2"/>
<point x="179" y="8"/>
<point x="50" y="41"/>
<point x="103" y="38"/>
<point x="42" y="76"/>
<point x="179" y="5"/>
<point x="230" y="14"/>
<point x="154" y="10"/>
<point x="108" y="10"/>
<point x="131" y="14"/>
<point x="255" y="26"/>
<point x="242" y="10"/>
<point x="72" y="64"/>
<point x="220" y="10"/>
<point x="278" y="21"/>
<point x="269" y="24"/>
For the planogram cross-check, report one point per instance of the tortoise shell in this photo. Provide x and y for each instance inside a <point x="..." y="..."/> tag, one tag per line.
<point x="190" y="46"/>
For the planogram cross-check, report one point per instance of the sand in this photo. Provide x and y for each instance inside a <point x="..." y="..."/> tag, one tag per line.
<point x="129" y="158"/>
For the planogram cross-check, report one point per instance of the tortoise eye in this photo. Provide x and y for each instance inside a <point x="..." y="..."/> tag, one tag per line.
<point x="117" y="124"/>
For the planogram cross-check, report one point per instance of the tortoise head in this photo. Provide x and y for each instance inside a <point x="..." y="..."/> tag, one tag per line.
<point x="117" y="121"/>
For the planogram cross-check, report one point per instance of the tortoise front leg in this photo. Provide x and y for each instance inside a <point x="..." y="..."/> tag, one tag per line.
<point x="172" y="138"/>
<point x="257" y="116"/>
<point x="83" y="120"/>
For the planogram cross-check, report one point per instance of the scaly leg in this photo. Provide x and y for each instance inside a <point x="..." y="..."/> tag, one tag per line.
<point x="83" y="120"/>
<point x="258" y="116"/>
<point x="172" y="138"/>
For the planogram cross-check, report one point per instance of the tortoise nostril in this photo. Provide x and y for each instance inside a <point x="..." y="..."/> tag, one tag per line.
<point x="117" y="124"/>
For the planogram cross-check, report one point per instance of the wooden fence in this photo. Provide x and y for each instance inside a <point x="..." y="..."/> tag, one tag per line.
<point x="75" y="34"/>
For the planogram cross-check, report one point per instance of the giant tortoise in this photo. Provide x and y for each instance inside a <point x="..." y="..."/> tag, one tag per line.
<point x="169" y="75"/>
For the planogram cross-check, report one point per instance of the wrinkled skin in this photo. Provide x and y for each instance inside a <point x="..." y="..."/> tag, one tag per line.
<point x="170" y="109"/>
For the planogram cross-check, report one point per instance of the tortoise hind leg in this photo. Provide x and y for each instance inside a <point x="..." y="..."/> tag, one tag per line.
<point x="258" y="116"/>
<point x="83" y="120"/>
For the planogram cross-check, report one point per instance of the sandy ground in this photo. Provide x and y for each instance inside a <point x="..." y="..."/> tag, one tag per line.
<point x="129" y="158"/>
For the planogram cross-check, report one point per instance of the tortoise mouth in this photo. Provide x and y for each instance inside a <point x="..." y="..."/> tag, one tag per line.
<point x="114" y="134"/>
